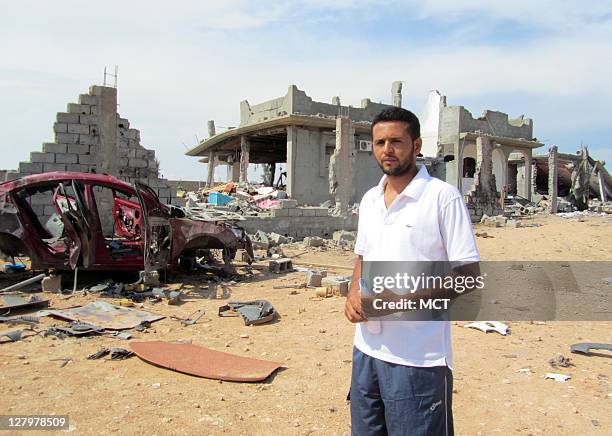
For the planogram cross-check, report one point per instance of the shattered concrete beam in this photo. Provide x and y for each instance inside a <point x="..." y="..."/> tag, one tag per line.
<point x="210" y="179"/>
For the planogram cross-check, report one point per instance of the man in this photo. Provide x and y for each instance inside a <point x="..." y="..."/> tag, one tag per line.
<point x="401" y="379"/>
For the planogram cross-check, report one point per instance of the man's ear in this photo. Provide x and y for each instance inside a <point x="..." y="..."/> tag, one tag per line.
<point x="418" y="143"/>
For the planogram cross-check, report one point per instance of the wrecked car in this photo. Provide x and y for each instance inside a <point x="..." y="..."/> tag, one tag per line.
<point x="63" y="220"/>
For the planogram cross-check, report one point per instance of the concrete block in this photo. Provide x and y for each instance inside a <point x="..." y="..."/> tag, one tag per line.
<point x="132" y="153"/>
<point x="123" y="123"/>
<point x="342" y="235"/>
<point x="81" y="129"/>
<point x="122" y="162"/>
<point x="77" y="149"/>
<point x="30" y="168"/>
<point x="52" y="147"/>
<point x="138" y="163"/>
<point x="12" y="175"/>
<point x="314" y="242"/>
<point x="77" y="168"/>
<point x="313" y="278"/>
<point x="337" y="284"/>
<point x="60" y="128"/>
<point x="287" y="204"/>
<point x="295" y="212"/>
<point x="321" y="211"/>
<point x="88" y="99"/>
<point x="141" y="153"/>
<point x="67" y="138"/>
<point x="87" y="159"/>
<point x="133" y="134"/>
<point x="87" y="119"/>
<point x="49" y="167"/>
<point x="164" y="192"/>
<point x="306" y="211"/>
<point x="38" y="157"/>
<point x="88" y="140"/>
<point x="94" y="149"/>
<point x="278" y="266"/>
<point x="81" y="109"/>
<point x="280" y="212"/>
<point x="63" y="117"/>
<point x="52" y="283"/>
<point x="66" y="158"/>
<point x="95" y="110"/>
<point x="40" y="199"/>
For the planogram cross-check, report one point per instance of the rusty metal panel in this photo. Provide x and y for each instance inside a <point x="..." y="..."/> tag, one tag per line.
<point x="204" y="362"/>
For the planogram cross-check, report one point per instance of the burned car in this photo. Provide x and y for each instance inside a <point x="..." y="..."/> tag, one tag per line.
<point x="63" y="220"/>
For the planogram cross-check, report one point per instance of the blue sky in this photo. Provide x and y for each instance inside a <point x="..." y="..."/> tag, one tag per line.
<point x="182" y="63"/>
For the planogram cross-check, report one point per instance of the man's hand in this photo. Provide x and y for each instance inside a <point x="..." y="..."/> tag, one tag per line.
<point x="352" y="308"/>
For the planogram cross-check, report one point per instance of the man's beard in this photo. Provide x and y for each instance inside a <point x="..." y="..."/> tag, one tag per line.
<point x="398" y="170"/>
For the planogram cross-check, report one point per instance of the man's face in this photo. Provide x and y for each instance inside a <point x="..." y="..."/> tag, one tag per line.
<point x="394" y="150"/>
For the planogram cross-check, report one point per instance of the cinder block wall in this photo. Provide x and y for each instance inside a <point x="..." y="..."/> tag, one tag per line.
<point x="92" y="137"/>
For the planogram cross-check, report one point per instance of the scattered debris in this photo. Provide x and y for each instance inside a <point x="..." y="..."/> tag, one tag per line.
<point x="22" y="284"/>
<point x="586" y="347"/>
<point x="191" y="319"/>
<point x="17" y="335"/>
<point x="252" y="312"/>
<point x="560" y="361"/>
<point x="113" y="353"/>
<point x="557" y="377"/>
<point x="22" y="302"/>
<point x="24" y="319"/>
<point x="489" y="326"/>
<point x="204" y="362"/>
<point x="75" y="329"/>
<point x="65" y="361"/>
<point x="106" y="316"/>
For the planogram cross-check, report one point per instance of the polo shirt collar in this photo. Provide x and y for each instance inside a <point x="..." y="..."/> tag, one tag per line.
<point x="414" y="189"/>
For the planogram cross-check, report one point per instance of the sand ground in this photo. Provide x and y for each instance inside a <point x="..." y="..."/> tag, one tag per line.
<point x="315" y="341"/>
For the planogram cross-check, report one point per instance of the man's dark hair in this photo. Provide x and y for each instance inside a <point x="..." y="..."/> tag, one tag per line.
<point x="399" y="114"/>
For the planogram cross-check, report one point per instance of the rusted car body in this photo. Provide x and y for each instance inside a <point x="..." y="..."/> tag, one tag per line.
<point x="62" y="220"/>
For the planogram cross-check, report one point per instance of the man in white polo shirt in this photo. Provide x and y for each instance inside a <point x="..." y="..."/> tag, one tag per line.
<point x="401" y="379"/>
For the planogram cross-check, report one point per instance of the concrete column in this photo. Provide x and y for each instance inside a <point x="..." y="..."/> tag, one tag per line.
<point x="269" y="173"/>
<point x="234" y="172"/>
<point x="459" y="165"/>
<point x="602" y="185"/>
<point x="107" y="125"/>
<point x="210" y="179"/>
<point x="244" y="158"/>
<point x="396" y="93"/>
<point x="528" y="172"/>
<point x="211" y="128"/>
<point x="552" y="179"/>
<point x="341" y="164"/>
<point x="291" y="158"/>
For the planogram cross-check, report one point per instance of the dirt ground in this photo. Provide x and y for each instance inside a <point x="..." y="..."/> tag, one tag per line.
<point x="315" y="341"/>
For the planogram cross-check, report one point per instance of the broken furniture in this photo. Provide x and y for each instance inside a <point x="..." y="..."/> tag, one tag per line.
<point x="204" y="362"/>
<point x="252" y="312"/>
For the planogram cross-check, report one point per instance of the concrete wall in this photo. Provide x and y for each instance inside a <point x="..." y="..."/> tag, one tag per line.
<point x="300" y="222"/>
<point x="92" y="137"/>
<point x="297" y="102"/>
<point x="496" y="123"/>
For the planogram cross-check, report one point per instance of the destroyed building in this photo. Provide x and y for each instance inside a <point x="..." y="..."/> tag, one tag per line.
<point x="475" y="153"/>
<point x="302" y="133"/>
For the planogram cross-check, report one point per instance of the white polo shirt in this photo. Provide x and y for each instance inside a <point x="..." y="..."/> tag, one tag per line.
<point x="428" y="221"/>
